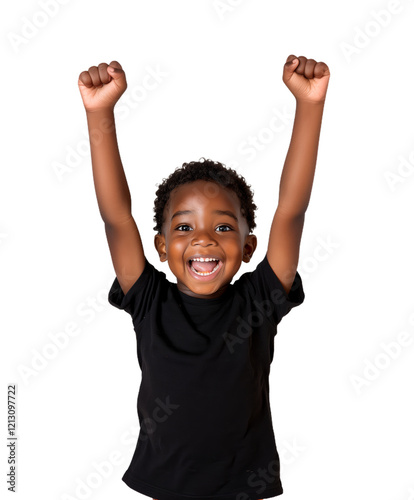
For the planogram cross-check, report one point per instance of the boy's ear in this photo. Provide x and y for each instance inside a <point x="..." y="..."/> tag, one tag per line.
<point x="250" y="244"/>
<point x="159" y="242"/>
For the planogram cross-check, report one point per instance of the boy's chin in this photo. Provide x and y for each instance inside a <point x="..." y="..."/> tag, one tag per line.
<point x="202" y="290"/>
<point x="195" y="286"/>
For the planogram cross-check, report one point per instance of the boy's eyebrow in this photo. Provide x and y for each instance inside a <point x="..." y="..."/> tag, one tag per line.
<point x="226" y="212"/>
<point x="220" y="212"/>
<point x="182" y="212"/>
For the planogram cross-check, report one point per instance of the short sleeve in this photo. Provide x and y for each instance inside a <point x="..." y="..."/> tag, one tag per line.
<point x="269" y="295"/>
<point x="139" y="298"/>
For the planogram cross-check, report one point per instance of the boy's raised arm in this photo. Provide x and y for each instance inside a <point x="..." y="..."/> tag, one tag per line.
<point x="308" y="82"/>
<point x="101" y="87"/>
<point x="111" y="187"/>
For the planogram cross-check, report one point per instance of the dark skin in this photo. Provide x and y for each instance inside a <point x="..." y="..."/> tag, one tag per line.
<point x="101" y="87"/>
<point x="204" y="232"/>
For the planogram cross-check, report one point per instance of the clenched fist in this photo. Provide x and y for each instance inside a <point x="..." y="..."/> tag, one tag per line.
<point x="101" y="86"/>
<point x="306" y="79"/>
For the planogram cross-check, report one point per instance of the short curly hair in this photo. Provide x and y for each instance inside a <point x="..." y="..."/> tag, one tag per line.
<point x="208" y="170"/>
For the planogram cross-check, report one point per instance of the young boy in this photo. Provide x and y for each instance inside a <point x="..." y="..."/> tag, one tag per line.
<point x="205" y="345"/>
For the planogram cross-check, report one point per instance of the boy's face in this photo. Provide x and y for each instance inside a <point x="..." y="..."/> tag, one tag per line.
<point x="195" y="226"/>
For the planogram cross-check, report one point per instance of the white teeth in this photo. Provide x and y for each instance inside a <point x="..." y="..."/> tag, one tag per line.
<point x="201" y="259"/>
<point x="206" y="274"/>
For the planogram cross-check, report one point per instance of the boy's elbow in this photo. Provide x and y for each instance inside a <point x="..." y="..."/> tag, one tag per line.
<point x="291" y="212"/>
<point x="118" y="220"/>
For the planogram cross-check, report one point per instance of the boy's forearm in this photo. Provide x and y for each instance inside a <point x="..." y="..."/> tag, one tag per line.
<point x="111" y="187"/>
<point x="299" y="168"/>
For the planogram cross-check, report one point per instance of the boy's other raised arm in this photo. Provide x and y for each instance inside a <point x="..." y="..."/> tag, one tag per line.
<point x="308" y="82"/>
<point x="100" y="88"/>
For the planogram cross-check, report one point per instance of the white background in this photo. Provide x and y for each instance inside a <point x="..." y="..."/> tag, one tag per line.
<point x="343" y="430"/>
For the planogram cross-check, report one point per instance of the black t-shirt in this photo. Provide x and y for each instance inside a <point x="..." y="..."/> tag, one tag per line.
<point x="203" y="404"/>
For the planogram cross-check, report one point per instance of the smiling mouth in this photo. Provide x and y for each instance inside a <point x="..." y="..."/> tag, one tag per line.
<point x="208" y="267"/>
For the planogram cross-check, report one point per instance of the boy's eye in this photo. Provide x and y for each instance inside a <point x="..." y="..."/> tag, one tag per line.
<point x="227" y="228"/>
<point x="183" y="225"/>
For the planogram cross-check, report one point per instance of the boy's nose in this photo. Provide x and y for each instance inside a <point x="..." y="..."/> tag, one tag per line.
<point x="203" y="238"/>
